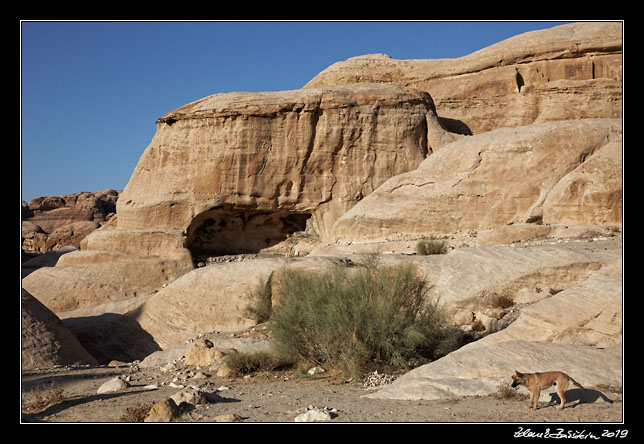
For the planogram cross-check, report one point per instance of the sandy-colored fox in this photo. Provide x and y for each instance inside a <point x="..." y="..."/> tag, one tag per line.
<point x="535" y="382"/>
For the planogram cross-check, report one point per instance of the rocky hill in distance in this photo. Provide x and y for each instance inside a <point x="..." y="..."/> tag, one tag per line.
<point x="512" y="155"/>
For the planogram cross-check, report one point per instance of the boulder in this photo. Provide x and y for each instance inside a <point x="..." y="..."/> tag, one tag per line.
<point x="45" y="341"/>
<point x="202" y="352"/>
<point x="572" y="71"/>
<point x="490" y="180"/>
<point x="163" y="411"/>
<point x="115" y="384"/>
<point x="195" y="396"/>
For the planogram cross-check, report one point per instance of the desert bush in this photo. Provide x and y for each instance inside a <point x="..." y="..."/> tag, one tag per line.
<point x="358" y="318"/>
<point x="260" y="301"/>
<point x="507" y="392"/>
<point x="426" y="247"/>
<point x="500" y="301"/>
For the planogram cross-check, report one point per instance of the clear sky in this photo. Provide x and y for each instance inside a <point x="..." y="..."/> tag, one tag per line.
<point x="92" y="91"/>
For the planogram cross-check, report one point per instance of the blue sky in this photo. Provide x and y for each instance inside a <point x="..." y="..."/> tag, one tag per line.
<point x="92" y="91"/>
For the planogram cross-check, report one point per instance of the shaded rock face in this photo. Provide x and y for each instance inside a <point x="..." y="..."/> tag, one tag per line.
<point x="572" y="71"/>
<point x="228" y="230"/>
<point x="45" y="341"/>
<point x="259" y="165"/>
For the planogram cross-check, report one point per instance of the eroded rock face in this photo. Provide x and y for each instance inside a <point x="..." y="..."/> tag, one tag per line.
<point x="267" y="162"/>
<point x="488" y="180"/>
<point x="573" y="71"/>
<point x="50" y="223"/>
<point x="46" y="342"/>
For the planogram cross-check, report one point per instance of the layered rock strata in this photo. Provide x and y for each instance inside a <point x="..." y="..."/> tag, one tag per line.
<point x="505" y="176"/>
<point x="238" y="172"/>
<point x="50" y="223"/>
<point x="572" y="71"/>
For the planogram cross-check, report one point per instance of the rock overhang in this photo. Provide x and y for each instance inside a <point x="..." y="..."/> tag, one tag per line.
<point x="286" y="155"/>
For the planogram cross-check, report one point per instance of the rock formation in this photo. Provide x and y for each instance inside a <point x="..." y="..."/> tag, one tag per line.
<point x="52" y="222"/>
<point x="238" y="172"/>
<point x="572" y="71"/>
<point x="46" y="342"/>
<point x="505" y="176"/>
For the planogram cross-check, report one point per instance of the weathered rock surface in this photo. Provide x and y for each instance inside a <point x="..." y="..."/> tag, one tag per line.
<point x="586" y="314"/>
<point x="88" y="278"/>
<point x="45" y="341"/>
<point x="53" y="222"/>
<point x="354" y="159"/>
<point x="479" y="369"/>
<point x="573" y="71"/>
<point x="497" y="178"/>
<point x="250" y="168"/>
<point x="591" y="193"/>
<point x="465" y="278"/>
<point x="210" y="298"/>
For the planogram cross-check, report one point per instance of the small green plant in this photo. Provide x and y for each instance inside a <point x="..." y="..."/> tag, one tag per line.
<point x="358" y="318"/>
<point x="426" y="247"/>
<point x="260" y="301"/>
<point x="534" y="220"/>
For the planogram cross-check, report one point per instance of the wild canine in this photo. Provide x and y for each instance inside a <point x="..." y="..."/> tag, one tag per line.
<point x="535" y="382"/>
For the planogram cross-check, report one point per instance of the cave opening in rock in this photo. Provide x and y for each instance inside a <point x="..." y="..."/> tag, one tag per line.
<point x="228" y="231"/>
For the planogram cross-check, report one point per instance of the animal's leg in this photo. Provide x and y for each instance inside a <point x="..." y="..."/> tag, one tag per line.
<point x="537" y="392"/>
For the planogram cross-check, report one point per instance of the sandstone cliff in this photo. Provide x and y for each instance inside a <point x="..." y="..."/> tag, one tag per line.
<point x="572" y="71"/>
<point x="238" y="172"/>
<point x="500" y="177"/>
<point x="50" y="223"/>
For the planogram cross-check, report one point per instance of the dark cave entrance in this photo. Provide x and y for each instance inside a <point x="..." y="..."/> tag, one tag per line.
<point x="228" y="231"/>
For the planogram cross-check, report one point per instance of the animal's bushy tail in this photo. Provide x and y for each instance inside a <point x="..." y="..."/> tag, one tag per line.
<point x="575" y="383"/>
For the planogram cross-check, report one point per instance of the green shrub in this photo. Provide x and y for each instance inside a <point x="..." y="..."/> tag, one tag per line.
<point x="357" y="318"/>
<point x="260" y="301"/>
<point x="432" y="246"/>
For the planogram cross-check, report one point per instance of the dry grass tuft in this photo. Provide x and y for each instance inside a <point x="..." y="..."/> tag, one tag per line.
<point x="506" y="392"/>
<point x="41" y="398"/>
<point x="137" y="413"/>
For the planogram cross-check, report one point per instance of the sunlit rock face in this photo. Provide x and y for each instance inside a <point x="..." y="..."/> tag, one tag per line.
<point x="238" y="172"/>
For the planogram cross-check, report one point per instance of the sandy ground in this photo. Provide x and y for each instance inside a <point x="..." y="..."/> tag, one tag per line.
<point x="281" y="396"/>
